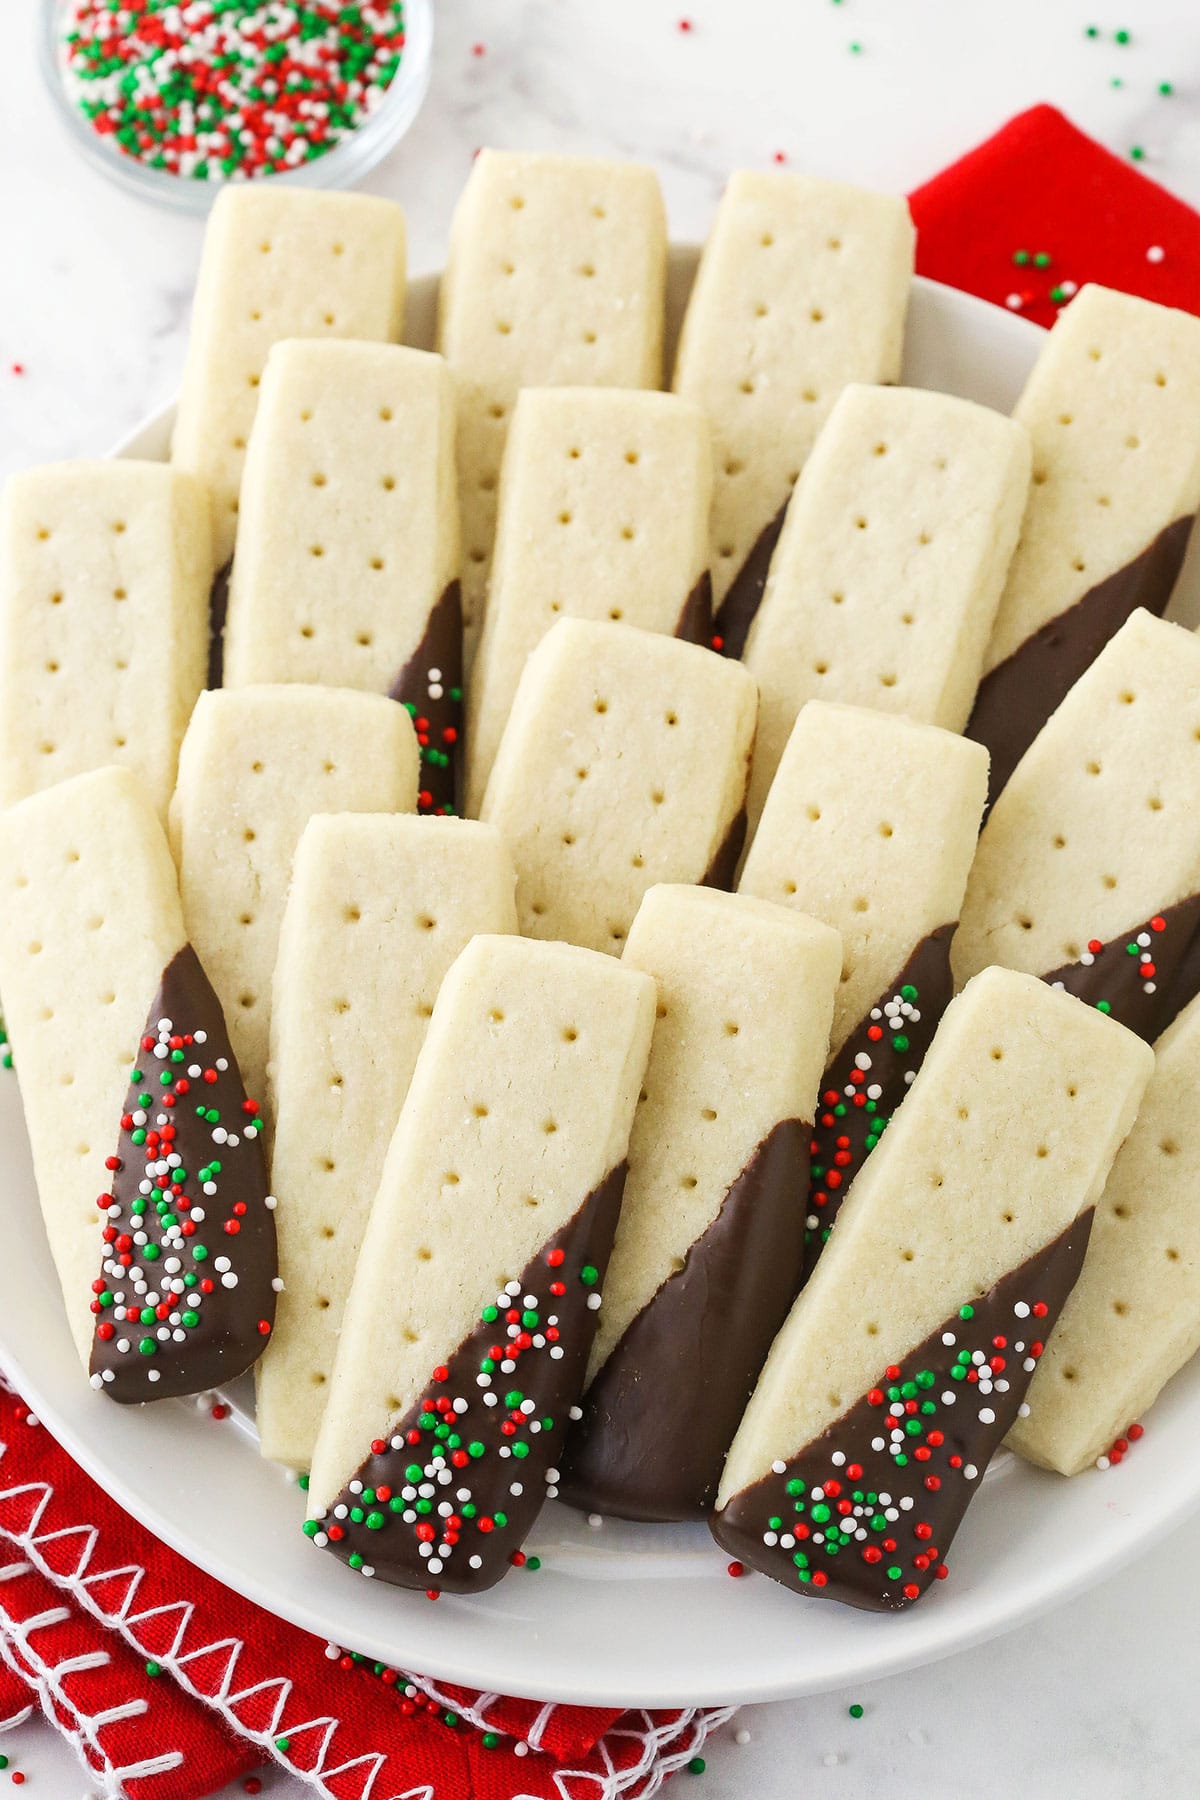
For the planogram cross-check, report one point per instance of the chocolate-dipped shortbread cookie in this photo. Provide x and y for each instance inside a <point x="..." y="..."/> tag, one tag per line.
<point x="604" y="502"/>
<point x="278" y="262"/>
<point x="623" y="764"/>
<point x="887" y="575"/>
<point x="105" y="570"/>
<point x="347" y="563"/>
<point x="908" y="1355"/>
<point x="802" y="286"/>
<point x="379" y="907"/>
<point x="469" y="1324"/>
<point x="1088" y="870"/>
<point x="155" y="1200"/>
<point x="256" y="763"/>
<point x="1133" y="1319"/>
<point x="709" y="1249"/>
<point x="555" y="277"/>
<point x="1113" y="409"/>
<point x="871" y="825"/>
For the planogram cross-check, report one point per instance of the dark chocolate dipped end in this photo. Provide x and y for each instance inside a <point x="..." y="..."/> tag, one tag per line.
<point x="492" y="1464"/>
<point x="218" y="612"/>
<point x="1017" y="697"/>
<point x="869" y="1077"/>
<point x="866" y="1513"/>
<point x="1144" y="977"/>
<point x="723" y="867"/>
<point x="430" y="685"/>
<point x="185" y="1297"/>
<point x="662" y="1412"/>
<point x="696" y="620"/>
<point x="736" y="613"/>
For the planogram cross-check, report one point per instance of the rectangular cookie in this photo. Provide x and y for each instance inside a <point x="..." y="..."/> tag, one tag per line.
<point x="347" y="563"/>
<point x="476" y="1295"/>
<point x="623" y="764"/>
<point x="1113" y="409"/>
<point x="802" y="286"/>
<point x="278" y="262"/>
<point x="870" y="826"/>
<point x="888" y="571"/>
<point x="256" y="763"/>
<point x="105" y="569"/>
<point x="1088" y="870"/>
<point x="710" y="1245"/>
<point x="908" y="1355"/>
<point x="157" y="1210"/>
<point x="378" y="909"/>
<point x="604" y="503"/>
<point x="1133" y="1318"/>
<point x="555" y="277"/>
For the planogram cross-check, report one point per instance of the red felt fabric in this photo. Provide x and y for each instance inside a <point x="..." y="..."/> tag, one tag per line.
<point x="1040" y="184"/>
<point x="80" y="1579"/>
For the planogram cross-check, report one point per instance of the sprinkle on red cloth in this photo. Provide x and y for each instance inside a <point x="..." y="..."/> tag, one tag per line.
<point x="1040" y="186"/>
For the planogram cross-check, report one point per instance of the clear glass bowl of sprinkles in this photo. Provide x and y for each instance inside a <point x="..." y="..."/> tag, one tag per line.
<point x="173" y="98"/>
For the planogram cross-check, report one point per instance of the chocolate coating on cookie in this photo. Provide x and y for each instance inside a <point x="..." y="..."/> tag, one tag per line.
<point x="430" y="686"/>
<point x="866" y="1512"/>
<point x="869" y="1077"/>
<point x="662" y="1412"/>
<point x="696" y="620"/>
<point x="736" y="613"/>
<point x="1144" y="977"/>
<point x="185" y="1298"/>
<point x="445" y="1501"/>
<point x="1017" y="697"/>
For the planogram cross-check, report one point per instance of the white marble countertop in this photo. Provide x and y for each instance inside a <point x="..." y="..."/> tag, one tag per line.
<point x="1097" y="1699"/>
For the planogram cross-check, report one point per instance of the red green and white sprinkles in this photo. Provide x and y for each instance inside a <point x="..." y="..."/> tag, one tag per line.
<point x="218" y="90"/>
<point x="463" y="1457"/>
<point x="177" y="1246"/>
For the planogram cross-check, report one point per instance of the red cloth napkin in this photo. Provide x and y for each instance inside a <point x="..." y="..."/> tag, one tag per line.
<point x="1040" y="187"/>
<point x="90" y="1602"/>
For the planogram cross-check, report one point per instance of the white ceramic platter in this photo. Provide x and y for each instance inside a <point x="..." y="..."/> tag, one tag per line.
<point x="625" y="1613"/>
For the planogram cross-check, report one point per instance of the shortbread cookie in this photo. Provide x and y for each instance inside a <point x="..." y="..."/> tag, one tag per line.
<point x="623" y="764"/>
<point x="802" y="287"/>
<point x="347" y="562"/>
<point x="1088" y="871"/>
<point x="555" y="277"/>
<point x="1134" y="1316"/>
<point x="469" y="1324"/>
<point x="709" y="1248"/>
<point x="908" y="1355"/>
<point x="105" y="569"/>
<point x="379" y="908"/>
<point x="1113" y="409"/>
<point x="871" y="825"/>
<point x="888" y="571"/>
<point x="278" y="262"/>
<point x="604" y="506"/>
<point x="256" y="763"/>
<point x="169" y="1274"/>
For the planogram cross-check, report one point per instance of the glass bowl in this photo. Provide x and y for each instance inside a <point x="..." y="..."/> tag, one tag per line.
<point x="340" y="167"/>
